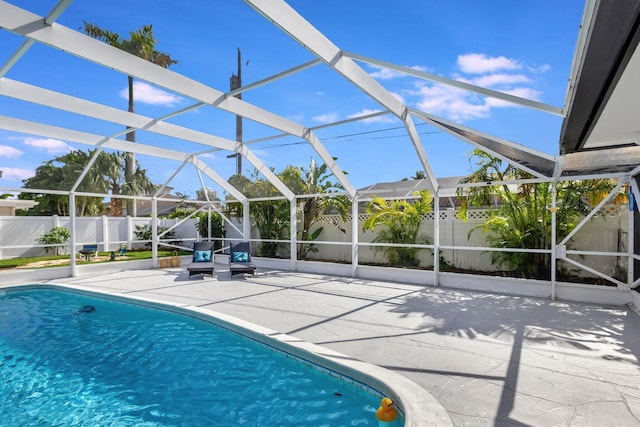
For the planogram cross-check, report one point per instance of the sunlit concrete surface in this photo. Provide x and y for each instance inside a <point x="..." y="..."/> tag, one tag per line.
<point x="489" y="359"/>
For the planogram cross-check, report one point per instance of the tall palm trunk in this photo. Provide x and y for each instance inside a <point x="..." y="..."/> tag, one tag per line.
<point x="130" y="158"/>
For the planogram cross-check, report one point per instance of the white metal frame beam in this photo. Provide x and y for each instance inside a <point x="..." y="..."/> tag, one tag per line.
<point x="31" y="26"/>
<point x="435" y="121"/>
<point x="299" y="29"/>
<point x="56" y="100"/>
<point x="33" y="128"/>
<point x="460" y="85"/>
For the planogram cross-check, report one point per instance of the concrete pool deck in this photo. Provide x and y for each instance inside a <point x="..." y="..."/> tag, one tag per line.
<point x="489" y="359"/>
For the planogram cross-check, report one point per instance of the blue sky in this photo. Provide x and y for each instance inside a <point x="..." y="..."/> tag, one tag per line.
<point x="523" y="48"/>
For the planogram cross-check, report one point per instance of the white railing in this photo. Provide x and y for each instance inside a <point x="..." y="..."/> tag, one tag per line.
<point x="19" y="235"/>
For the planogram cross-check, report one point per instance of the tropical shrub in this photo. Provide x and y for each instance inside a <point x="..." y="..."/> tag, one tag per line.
<point x="520" y="214"/>
<point x="144" y="232"/>
<point x="56" y="236"/>
<point x="400" y="221"/>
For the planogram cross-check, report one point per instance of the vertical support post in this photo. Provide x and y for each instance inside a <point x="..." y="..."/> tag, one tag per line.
<point x="554" y="259"/>
<point x="209" y="223"/>
<point x="154" y="232"/>
<point x="105" y="233"/>
<point x="355" y="232"/>
<point x="293" y="227"/>
<point x="436" y="239"/>
<point x="246" y="221"/>
<point x="129" y="231"/>
<point x="630" y="236"/>
<point x="72" y="218"/>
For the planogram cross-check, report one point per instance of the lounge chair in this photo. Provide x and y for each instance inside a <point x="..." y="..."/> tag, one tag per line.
<point x="202" y="259"/>
<point x="240" y="259"/>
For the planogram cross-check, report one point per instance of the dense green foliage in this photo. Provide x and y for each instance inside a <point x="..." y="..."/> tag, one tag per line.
<point x="520" y="214"/>
<point x="217" y="227"/>
<point x="314" y="180"/>
<point x="61" y="173"/>
<point x="271" y="218"/>
<point x="398" y="221"/>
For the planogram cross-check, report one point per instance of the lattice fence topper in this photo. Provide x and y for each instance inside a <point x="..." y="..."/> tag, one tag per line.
<point x="444" y="215"/>
<point x="472" y="215"/>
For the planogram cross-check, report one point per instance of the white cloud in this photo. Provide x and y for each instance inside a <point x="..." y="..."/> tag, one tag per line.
<point x="522" y="92"/>
<point x="499" y="80"/>
<point x="366" y="112"/>
<point x="9" y="152"/>
<point x="145" y="93"/>
<point x="499" y="73"/>
<point x="452" y="103"/>
<point x="540" y="69"/>
<point x="383" y="73"/>
<point x="51" y="146"/>
<point x="326" y="118"/>
<point x="479" y="63"/>
<point x="15" y="173"/>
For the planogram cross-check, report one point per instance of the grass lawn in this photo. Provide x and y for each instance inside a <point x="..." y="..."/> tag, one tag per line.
<point x="58" y="260"/>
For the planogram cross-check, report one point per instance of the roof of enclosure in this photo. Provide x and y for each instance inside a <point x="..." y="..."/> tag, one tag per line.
<point x="601" y="81"/>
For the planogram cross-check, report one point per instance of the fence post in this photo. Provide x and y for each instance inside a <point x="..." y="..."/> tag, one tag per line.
<point x="154" y="232"/>
<point x="105" y="233"/>
<point x="436" y="239"/>
<point x="293" y="228"/>
<point x="355" y="225"/>
<point x="72" y="218"/>
<point x="553" y="238"/>
<point x="129" y="231"/>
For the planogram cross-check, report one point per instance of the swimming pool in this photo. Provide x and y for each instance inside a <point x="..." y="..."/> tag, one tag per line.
<point x="73" y="358"/>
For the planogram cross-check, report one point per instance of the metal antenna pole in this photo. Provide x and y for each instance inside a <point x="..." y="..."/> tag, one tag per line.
<point x="236" y="83"/>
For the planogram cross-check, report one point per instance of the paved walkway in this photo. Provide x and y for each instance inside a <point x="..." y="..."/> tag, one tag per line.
<point x="491" y="360"/>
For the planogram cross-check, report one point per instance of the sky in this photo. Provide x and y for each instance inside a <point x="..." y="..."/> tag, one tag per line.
<point x="521" y="48"/>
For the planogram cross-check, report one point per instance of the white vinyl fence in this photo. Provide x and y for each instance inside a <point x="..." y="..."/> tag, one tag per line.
<point x="606" y="233"/>
<point x="19" y="235"/>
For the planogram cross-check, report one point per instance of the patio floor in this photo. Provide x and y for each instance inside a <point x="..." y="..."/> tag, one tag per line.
<point x="489" y="359"/>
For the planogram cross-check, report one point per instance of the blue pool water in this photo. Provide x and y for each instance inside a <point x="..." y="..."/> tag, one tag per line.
<point x="71" y="359"/>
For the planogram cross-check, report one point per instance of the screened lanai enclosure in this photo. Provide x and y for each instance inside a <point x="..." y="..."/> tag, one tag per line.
<point x="573" y="195"/>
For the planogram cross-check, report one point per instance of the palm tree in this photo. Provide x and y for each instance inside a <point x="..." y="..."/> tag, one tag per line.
<point x="108" y="167"/>
<point x="271" y="218"/>
<point x="315" y="180"/>
<point x="141" y="43"/>
<point x="520" y="214"/>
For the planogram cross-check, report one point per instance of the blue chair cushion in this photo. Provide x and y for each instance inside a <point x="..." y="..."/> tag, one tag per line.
<point x="202" y="256"/>
<point x="240" y="257"/>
